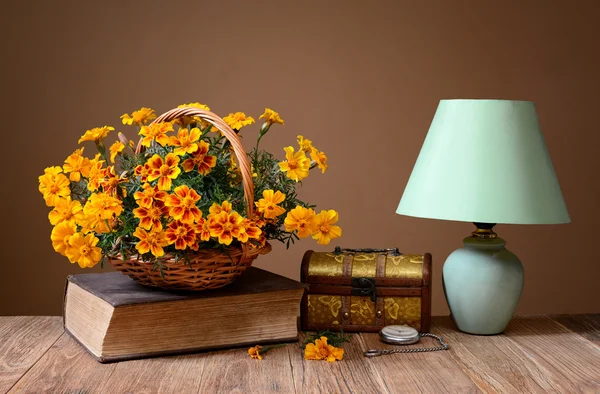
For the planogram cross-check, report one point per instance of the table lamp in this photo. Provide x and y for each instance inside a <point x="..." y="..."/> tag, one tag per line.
<point x="486" y="162"/>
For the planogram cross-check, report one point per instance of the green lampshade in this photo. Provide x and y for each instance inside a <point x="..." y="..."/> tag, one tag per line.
<point x="485" y="161"/>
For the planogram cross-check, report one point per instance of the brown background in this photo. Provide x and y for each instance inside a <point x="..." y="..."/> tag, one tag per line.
<point x="361" y="79"/>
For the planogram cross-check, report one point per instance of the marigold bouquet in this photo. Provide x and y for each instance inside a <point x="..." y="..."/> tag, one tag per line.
<point x="177" y="191"/>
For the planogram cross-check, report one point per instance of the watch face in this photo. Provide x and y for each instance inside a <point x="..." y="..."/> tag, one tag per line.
<point x="399" y="335"/>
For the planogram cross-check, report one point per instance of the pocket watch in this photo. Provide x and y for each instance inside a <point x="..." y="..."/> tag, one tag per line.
<point x="404" y="335"/>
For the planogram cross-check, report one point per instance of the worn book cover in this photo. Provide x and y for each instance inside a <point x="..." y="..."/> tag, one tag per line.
<point x="115" y="318"/>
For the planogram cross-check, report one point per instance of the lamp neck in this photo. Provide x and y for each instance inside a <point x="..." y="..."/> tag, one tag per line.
<point x="484" y="231"/>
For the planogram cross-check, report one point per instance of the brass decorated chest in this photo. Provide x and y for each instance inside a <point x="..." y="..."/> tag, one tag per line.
<point x="363" y="290"/>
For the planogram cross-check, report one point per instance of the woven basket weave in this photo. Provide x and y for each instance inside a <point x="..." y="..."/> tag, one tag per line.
<point x="206" y="268"/>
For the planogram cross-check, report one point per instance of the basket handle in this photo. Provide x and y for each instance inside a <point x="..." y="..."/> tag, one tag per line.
<point x="232" y="137"/>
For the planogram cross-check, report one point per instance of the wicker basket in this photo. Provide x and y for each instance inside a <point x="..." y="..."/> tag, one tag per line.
<point x="206" y="268"/>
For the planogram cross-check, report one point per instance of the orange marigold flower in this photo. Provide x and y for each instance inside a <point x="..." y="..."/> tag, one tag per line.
<point x="116" y="149"/>
<point x="181" y="234"/>
<point x="54" y="185"/>
<point x="215" y="208"/>
<point x="151" y="217"/>
<point x="324" y="230"/>
<point x="296" y="166"/>
<point x="268" y="204"/>
<point x="305" y="144"/>
<point x="76" y="165"/>
<point x="66" y="210"/>
<point x="139" y="117"/>
<point x="142" y="171"/>
<point x="200" y="158"/>
<point x="149" y="195"/>
<point x="60" y="236"/>
<point x="238" y="120"/>
<point x="254" y="352"/>
<point x="152" y="241"/>
<point x="164" y="171"/>
<point x="104" y="205"/>
<point x="248" y="229"/>
<point x="225" y="226"/>
<point x="96" y="174"/>
<point x="111" y="181"/>
<point x="94" y="222"/>
<point x="96" y="134"/>
<point x="186" y="120"/>
<point x="320" y="158"/>
<point x="186" y="141"/>
<point x="300" y="219"/>
<point x="83" y="250"/>
<point x="156" y="132"/>
<point x="202" y="230"/>
<point x="182" y="204"/>
<point x="271" y="117"/>
<point x="320" y="350"/>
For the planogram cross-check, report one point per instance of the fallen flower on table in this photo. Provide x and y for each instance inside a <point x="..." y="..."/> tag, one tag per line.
<point x="257" y="352"/>
<point x="320" y="350"/>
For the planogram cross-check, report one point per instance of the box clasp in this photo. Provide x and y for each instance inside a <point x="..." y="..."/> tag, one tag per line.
<point x="364" y="287"/>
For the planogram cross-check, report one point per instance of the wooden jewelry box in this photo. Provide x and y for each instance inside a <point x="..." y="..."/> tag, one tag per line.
<point x="363" y="290"/>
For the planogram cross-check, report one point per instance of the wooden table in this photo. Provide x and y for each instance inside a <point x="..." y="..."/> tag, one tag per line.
<point x="536" y="354"/>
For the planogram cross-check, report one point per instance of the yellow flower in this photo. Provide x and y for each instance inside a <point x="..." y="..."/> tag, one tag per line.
<point x="324" y="230"/>
<point x="320" y="158"/>
<point x="296" y="166"/>
<point x="60" y="236"/>
<point x="139" y="117"/>
<point x="152" y="241"/>
<point x="164" y="171"/>
<point x="156" y="132"/>
<point x="150" y="217"/>
<point x="96" y="134"/>
<point x="186" y="120"/>
<point x="300" y="219"/>
<point x="196" y="104"/>
<point x="95" y="223"/>
<point x="111" y="181"/>
<point x="76" y="166"/>
<point x="186" y="141"/>
<point x="320" y="350"/>
<point x="248" y="229"/>
<point x="268" y="205"/>
<point x="238" y="120"/>
<point x="305" y="144"/>
<point x="142" y="171"/>
<point x="200" y="158"/>
<point x="54" y="185"/>
<point x="115" y="149"/>
<point x="202" y="230"/>
<point x="149" y="195"/>
<point x="216" y="209"/>
<point x="181" y="234"/>
<point x="66" y="210"/>
<point x="83" y="250"/>
<point x="254" y="352"/>
<point x="225" y="226"/>
<point x="104" y="205"/>
<point x="96" y="174"/>
<point x="271" y="116"/>
<point x="182" y="204"/>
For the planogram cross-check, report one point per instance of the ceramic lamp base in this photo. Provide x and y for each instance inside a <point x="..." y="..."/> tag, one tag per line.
<point x="483" y="282"/>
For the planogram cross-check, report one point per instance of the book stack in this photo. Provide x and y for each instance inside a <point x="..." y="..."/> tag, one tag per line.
<point x="115" y="318"/>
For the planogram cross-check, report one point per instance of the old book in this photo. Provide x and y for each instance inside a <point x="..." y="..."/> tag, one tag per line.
<point x="115" y="318"/>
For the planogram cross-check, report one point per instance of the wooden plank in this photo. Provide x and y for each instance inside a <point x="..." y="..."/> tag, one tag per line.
<point x="430" y="372"/>
<point x="23" y="340"/>
<point x="571" y="360"/>
<point x="495" y="363"/>
<point x="587" y="326"/>
<point x="221" y="371"/>
<point x="350" y="375"/>
<point x="66" y="367"/>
